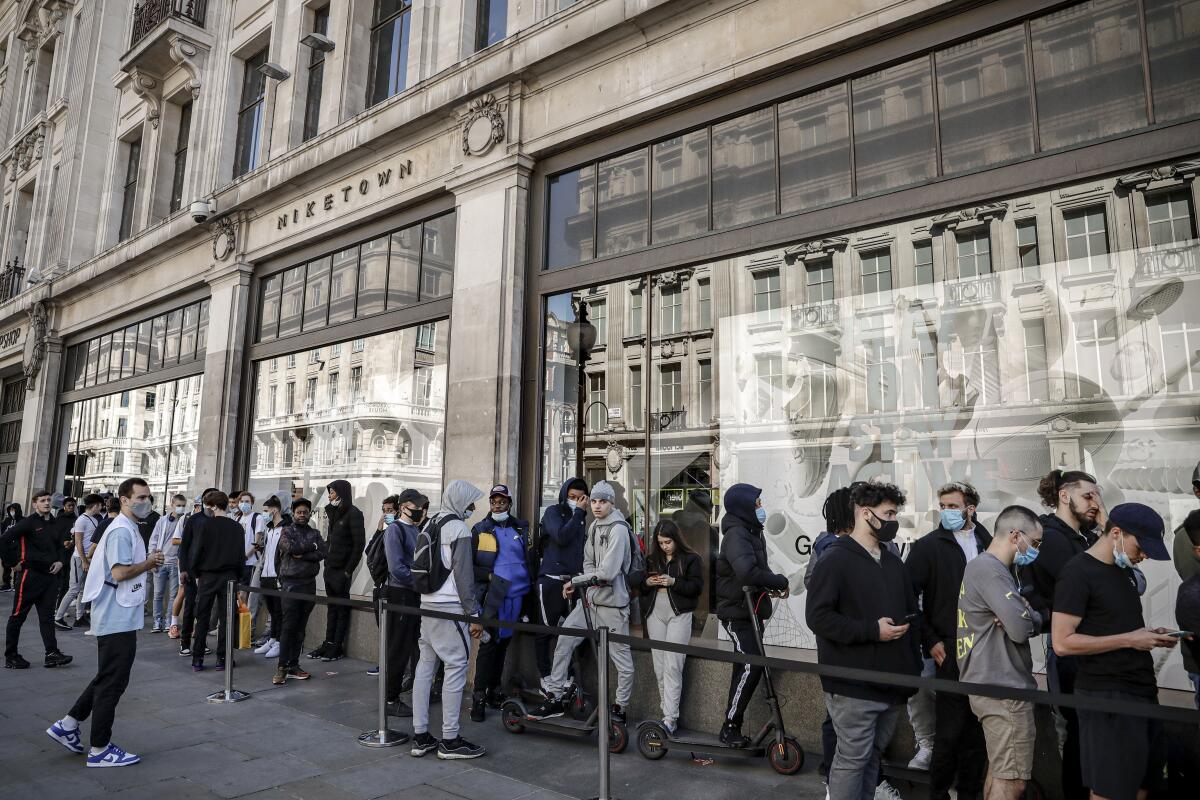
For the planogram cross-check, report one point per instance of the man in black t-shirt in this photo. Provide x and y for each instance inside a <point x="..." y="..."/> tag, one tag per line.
<point x="1098" y="618"/>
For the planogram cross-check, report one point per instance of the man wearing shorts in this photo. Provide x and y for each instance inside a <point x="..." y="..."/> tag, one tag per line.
<point x="1098" y="618"/>
<point x="995" y="624"/>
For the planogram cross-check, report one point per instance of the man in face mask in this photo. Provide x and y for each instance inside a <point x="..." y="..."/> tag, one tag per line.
<point x="347" y="538"/>
<point x="404" y="630"/>
<point x="995" y="624"/>
<point x="1098" y="620"/>
<point x="193" y="528"/>
<point x="563" y="532"/>
<point x="859" y="606"/>
<point x="167" y="538"/>
<point x="936" y="563"/>
<point x="41" y="561"/>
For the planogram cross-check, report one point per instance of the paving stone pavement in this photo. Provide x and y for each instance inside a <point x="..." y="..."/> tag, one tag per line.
<point x="298" y="742"/>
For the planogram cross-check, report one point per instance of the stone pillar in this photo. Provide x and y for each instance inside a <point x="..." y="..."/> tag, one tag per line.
<point x="483" y="397"/>
<point x="221" y="394"/>
<point x="36" y="457"/>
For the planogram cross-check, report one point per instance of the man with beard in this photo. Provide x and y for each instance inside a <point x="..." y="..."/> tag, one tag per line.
<point x="1074" y="526"/>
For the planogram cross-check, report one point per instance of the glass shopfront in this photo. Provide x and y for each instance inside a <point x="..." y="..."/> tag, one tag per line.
<point x="991" y="345"/>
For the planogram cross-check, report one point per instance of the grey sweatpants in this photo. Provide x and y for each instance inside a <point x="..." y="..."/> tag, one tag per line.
<point x="617" y="621"/>
<point x="450" y="642"/>
<point x="74" y="595"/>
<point x="864" y="728"/>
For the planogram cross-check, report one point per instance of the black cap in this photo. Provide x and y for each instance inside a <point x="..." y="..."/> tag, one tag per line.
<point x="1144" y="524"/>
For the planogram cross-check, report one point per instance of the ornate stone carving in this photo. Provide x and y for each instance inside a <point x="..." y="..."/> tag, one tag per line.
<point x="27" y="150"/>
<point x="35" y="342"/>
<point x="483" y="125"/>
<point x="224" y="232"/>
<point x="147" y="89"/>
<point x="188" y="55"/>
<point x="818" y="248"/>
<point x="982" y="213"/>
<point x="674" y="277"/>
<point x="614" y="458"/>
<point x="1139" y="181"/>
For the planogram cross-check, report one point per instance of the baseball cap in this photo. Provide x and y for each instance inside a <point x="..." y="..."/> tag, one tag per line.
<point x="1145" y="525"/>
<point x="501" y="490"/>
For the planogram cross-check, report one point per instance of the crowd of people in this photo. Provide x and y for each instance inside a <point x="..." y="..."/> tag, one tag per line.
<point x="965" y="604"/>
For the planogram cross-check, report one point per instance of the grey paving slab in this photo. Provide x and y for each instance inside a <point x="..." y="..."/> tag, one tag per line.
<point x="479" y="784"/>
<point x="422" y="792"/>
<point x="258" y="774"/>
<point x="308" y="789"/>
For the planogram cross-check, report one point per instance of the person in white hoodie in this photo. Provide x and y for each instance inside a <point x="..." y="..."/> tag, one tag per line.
<point x="448" y="640"/>
<point x="606" y="561"/>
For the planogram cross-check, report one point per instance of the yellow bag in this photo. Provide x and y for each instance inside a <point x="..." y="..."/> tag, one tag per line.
<point x="244" y="625"/>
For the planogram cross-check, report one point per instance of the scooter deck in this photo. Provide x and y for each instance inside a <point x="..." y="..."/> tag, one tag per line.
<point x="710" y="744"/>
<point x="567" y="725"/>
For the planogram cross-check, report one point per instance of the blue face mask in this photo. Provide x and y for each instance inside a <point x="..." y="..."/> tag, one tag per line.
<point x="1028" y="557"/>
<point x="499" y="516"/>
<point x="389" y="518"/>
<point x="953" y="519"/>
<point x="245" y="507"/>
<point x="761" y="515"/>
<point x="1120" y="558"/>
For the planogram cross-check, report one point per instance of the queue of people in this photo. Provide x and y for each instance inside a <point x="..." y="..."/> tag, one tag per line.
<point x="964" y="605"/>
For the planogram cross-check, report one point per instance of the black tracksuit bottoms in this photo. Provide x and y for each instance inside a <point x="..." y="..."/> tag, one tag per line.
<point x="211" y="589"/>
<point x="34" y="590"/>
<point x="115" y="654"/>
<point x="294" y="614"/>
<point x="553" y="608"/>
<point x="337" y="621"/>
<point x="187" y="614"/>
<point x="403" y="633"/>
<point x="745" y="677"/>
<point x="959" y="753"/>
<point x="489" y="663"/>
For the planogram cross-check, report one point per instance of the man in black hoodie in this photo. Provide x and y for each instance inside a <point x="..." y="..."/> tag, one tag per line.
<point x="936" y="564"/>
<point x="562" y="535"/>
<point x="743" y="562"/>
<point x="193" y="528"/>
<point x="857" y="604"/>
<point x="347" y="537"/>
<point x="1077" y="518"/>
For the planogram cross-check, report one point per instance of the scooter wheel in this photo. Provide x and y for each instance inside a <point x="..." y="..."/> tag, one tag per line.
<point x="786" y="758"/>
<point x="580" y="706"/>
<point x="651" y="744"/>
<point x="618" y="737"/>
<point x="510" y="717"/>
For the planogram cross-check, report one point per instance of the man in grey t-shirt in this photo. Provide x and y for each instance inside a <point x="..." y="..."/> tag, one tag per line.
<point x="995" y="624"/>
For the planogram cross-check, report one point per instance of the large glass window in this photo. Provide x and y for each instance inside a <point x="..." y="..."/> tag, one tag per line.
<point x="316" y="78"/>
<point x="767" y="298"/>
<point x="819" y="275"/>
<point x="679" y="203"/>
<point x="893" y="127"/>
<point x="381" y="427"/>
<point x="1087" y="63"/>
<point x="389" y="49"/>
<point x="621" y="216"/>
<point x="1169" y="216"/>
<point x="491" y="22"/>
<point x="1027" y="248"/>
<point x="571" y="218"/>
<point x="814" y="149"/>
<point x="974" y="253"/>
<point x="250" y="115"/>
<point x="1174" y="45"/>
<point x="182" y="140"/>
<point x="1087" y="240"/>
<point x="743" y="178"/>
<point x="133" y="158"/>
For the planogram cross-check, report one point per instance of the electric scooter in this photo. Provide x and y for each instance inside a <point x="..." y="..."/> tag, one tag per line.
<point x="784" y="754"/>
<point x="582" y="718"/>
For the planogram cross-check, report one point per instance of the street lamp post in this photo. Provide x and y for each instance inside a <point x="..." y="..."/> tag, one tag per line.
<point x="170" y="447"/>
<point x="581" y="338"/>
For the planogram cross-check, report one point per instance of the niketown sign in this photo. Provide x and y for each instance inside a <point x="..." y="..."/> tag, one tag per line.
<point x="386" y="178"/>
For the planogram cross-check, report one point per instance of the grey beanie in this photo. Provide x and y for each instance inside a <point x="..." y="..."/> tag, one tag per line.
<point x="603" y="490"/>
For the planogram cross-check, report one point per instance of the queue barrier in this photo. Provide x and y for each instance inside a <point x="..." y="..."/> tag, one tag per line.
<point x="383" y="737"/>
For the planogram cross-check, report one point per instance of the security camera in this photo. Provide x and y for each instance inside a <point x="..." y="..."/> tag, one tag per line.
<point x="201" y="210"/>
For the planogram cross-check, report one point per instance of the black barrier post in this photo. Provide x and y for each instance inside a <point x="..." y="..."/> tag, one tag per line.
<point x="229" y="694"/>
<point x="382" y="736"/>
<point x="602" y="702"/>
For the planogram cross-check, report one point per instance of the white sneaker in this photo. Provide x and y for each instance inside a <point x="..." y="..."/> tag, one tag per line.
<point x="273" y="652"/>
<point x="264" y="647"/>
<point x="922" y="759"/>
<point x="885" y="791"/>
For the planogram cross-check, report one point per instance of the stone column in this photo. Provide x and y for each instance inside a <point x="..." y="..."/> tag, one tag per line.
<point x="483" y="397"/>
<point x="36" y="457"/>
<point x="221" y="393"/>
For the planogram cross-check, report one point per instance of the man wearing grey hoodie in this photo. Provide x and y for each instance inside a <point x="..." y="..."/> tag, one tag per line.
<point x="606" y="561"/>
<point x="444" y="639"/>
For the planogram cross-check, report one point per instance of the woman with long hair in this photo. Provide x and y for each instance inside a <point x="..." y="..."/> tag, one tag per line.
<point x="670" y="592"/>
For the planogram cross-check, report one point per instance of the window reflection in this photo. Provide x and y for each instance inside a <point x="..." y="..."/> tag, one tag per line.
<point x="893" y="127"/>
<point x="1173" y="32"/>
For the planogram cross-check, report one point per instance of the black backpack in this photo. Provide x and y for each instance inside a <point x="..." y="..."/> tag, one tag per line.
<point x="428" y="570"/>
<point x="377" y="562"/>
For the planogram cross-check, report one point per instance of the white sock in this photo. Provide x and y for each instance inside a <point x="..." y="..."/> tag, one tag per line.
<point x="95" y="751"/>
<point x="174" y="620"/>
<point x="69" y="723"/>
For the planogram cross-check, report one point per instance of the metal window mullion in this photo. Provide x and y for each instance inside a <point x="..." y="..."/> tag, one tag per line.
<point x="850" y="124"/>
<point x="778" y="165"/>
<point x="1032" y="83"/>
<point x="937" y="115"/>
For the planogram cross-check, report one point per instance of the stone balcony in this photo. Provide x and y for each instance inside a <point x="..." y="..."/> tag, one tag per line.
<point x="164" y="34"/>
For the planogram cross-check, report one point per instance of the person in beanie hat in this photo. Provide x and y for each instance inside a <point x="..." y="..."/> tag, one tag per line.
<point x="1098" y="619"/>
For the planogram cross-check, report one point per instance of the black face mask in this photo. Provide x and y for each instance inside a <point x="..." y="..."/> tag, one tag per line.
<point x="887" y="529"/>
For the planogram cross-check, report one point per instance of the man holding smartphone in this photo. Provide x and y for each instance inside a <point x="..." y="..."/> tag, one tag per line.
<point x="1098" y="619"/>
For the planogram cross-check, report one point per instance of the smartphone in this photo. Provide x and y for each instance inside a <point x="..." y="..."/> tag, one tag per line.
<point x="1179" y="634"/>
<point x="911" y="618"/>
<point x="652" y="574"/>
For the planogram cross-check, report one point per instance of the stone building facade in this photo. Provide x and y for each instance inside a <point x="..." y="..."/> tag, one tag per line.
<point x="672" y="243"/>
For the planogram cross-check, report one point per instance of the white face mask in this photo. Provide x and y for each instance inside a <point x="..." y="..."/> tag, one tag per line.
<point x="499" y="516"/>
<point x="179" y="510"/>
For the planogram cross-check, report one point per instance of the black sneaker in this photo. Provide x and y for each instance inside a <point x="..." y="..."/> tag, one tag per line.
<point x="477" y="707"/>
<point x="731" y="736"/>
<point x="495" y="699"/>
<point x="320" y="651"/>
<point x="552" y="707"/>
<point x="84" y="622"/>
<point x="398" y="708"/>
<point x="423" y="743"/>
<point x="458" y="748"/>
<point x="62" y="624"/>
<point x="617" y="714"/>
<point x="334" y="653"/>
<point x="56" y="658"/>
<point x="15" y="662"/>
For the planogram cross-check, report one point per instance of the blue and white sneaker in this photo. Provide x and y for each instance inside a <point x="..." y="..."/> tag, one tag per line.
<point x="68" y="739"/>
<point x="113" y="756"/>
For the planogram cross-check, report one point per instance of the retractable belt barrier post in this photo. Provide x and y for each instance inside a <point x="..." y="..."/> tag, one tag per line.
<point x="229" y="694"/>
<point x="382" y="736"/>
<point x="1124" y="707"/>
<point x="602" y="700"/>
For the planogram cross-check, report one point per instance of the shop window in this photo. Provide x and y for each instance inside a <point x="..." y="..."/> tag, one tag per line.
<point x="571" y="209"/>
<point x="1027" y="249"/>
<point x="767" y="297"/>
<point x="983" y="94"/>
<point x="704" y="303"/>
<point x="621" y="216"/>
<point x="180" y="159"/>
<point x="133" y="157"/>
<point x="316" y="78"/>
<point x="249" y="140"/>
<point x="893" y="127"/>
<point x="491" y="22"/>
<point x="1087" y="64"/>
<point x="389" y="49"/>
<point x="1169" y="216"/>
<point x="974" y="254"/>
<point x="316" y="294"/>
<point x="819" y="279"/>
<point x="1087" y="240"/>
<point x="814" y="149"/>
<point x="743" y="169"/>
<point x="343" y="285"/>
<point x="1174" y="45"/>
<point x="439" y="244"/>
<point x="373" y="276"/>
<point x="680" y="173"/>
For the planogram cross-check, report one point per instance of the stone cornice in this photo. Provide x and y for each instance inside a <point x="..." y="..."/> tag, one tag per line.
<point x="1141" y="180"/>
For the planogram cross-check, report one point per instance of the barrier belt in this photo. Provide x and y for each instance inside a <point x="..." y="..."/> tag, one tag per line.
<point x="1148" y="709"/>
